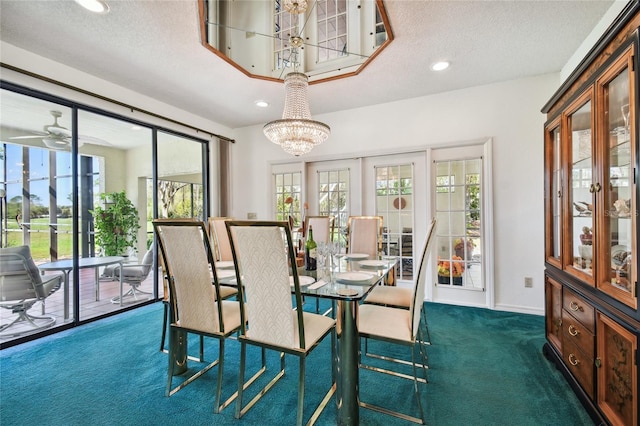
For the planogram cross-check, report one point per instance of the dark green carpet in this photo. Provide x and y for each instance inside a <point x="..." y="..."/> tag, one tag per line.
<point x="486" y="368"/>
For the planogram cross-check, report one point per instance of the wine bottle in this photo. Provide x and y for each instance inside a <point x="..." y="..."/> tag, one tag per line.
<point x="310" y="252"/>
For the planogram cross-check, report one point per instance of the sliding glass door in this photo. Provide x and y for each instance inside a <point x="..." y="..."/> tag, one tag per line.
<point x="60" y="161"/>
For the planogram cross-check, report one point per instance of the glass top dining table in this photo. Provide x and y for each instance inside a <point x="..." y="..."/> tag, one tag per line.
<point x="348" y="282"/>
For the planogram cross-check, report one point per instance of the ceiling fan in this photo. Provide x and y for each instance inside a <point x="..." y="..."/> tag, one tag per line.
<point x="58" y="137"/>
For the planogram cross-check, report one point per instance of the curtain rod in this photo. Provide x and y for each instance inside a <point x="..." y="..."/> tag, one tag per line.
<point x="113" y="101"/>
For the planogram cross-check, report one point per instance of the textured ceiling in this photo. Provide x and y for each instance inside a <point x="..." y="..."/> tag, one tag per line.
<point x="153" y="48"/>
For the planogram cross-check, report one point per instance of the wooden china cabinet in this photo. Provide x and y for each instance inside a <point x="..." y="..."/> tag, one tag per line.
<point x="591" y="225"/>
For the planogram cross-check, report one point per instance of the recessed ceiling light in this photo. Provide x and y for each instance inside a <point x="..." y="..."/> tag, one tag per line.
<point x="440" y="66"/>
<point x="262" y="104"/>
<point x="96" y="6"/>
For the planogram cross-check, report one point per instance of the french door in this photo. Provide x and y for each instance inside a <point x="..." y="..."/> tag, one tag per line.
<point x="395" y="187"/>
<point x="333" y="189"/>
<point x="460" y="187"/>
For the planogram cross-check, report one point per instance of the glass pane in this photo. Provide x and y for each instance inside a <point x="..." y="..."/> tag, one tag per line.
<point x="619" y="190"/>
<point x="333" y="192"/>
<point x="459" y="223"/>
<point x="288" y="193"/>
<point x="114" y="163"/>
<point x="580" y="188"/>
<point x="35" y="202"/>
<point x="556" y="185"/>
<point x="394" y="202"/>
<point x="180" y="186"/>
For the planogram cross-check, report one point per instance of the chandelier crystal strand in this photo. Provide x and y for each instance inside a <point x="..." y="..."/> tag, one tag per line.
<point x="296" y="132"/>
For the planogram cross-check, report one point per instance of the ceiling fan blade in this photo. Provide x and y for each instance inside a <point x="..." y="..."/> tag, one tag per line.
<point x="34" y="136"/>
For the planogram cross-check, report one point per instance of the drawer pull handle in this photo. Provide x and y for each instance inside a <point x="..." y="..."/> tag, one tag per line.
<point x="573" y="331"/>
<point x="573" y="360"/>
<point x="574" y="306"/>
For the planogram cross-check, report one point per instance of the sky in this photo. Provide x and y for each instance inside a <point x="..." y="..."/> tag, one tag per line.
<point x="39" y="173"/>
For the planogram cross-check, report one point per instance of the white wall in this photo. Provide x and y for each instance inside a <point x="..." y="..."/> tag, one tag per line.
<point x="508" y="112"/>
<point x="597" y="32"/>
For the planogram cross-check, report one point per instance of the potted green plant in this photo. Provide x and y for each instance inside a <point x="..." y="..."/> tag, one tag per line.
<point x="116" y="224"/>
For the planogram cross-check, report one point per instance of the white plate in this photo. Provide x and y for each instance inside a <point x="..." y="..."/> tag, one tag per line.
<point x="354" y="277"/>
<point x="356" y="255"/>
<point x="373" y="263"/>
<point x="304" y="280"/>
<point x="224" y="264"/>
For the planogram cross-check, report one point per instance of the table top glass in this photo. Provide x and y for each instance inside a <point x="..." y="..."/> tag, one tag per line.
<point x="83" y="262"/>
<point x="349" y="279"/>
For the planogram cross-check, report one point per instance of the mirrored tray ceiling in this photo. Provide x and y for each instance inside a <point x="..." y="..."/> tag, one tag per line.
<point x="339" y="37"/>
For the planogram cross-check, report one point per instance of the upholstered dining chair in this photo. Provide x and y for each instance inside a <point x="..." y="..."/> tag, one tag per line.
<point x="21" y="286"/>
<point x="364" y="235"/>
<point x="400" y="326"/>
<point x="196" y="305"/>
<point x="218" y="236"/>
<point x="226" y="292"/>
<point x="262" y="254"/>
<point x="401" y="297"/>
<point x="322" y="228"/>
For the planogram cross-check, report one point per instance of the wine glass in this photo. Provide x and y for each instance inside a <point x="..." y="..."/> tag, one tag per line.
<point x="321" y="251"/>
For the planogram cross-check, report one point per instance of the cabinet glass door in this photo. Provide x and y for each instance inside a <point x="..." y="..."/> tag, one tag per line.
<point x="553" y="191"/>
<point x="579" y="255"/>
<point x="616" y="240"/>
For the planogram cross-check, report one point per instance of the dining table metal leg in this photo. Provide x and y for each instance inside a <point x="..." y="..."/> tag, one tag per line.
<point x="65" y="272"/>
<point x="96" y="271"/>
<point x="347" y="378"/>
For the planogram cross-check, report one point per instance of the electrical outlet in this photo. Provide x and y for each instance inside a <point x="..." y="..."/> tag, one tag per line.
<point x="252" y="216"/>
<point x="528" y="282"/>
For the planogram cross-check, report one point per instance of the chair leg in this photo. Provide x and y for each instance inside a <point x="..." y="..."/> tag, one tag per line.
<point x="301" y="391"/>
<point x="202" y="348"/>
<point x="416" y="385"/>
<point x="133" y="292"/>
<point x="37" y="323"/>
<point x="217" y="407"/>
<point x="164" y="325"/>
<point x="178" y="358"/>
<point x="240" y="411"/>
<point x="414" y="378"/>
<point x="426" y="327"/>
<point x="243" y="356"/>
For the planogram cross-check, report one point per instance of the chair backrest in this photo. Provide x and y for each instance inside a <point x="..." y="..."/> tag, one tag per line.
<point x="419" y="287"/>
<point x="322" y="228"/>
<point x="165" y="282"/>
<point x="219" y="237"/>
<point x="19" y="275"/>
<point x="364" y="235"/>
<point x="262" y="253"/>
<point x="195" y="300"/>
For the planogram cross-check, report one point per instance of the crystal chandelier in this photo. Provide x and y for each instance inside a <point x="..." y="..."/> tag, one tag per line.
<point x="296" y="132"/>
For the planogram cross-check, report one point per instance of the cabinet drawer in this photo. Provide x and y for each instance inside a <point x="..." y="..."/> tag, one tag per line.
<point x="580" y="365"/>
<point x="573" y="330"/>
<point x="580" y="309"/>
